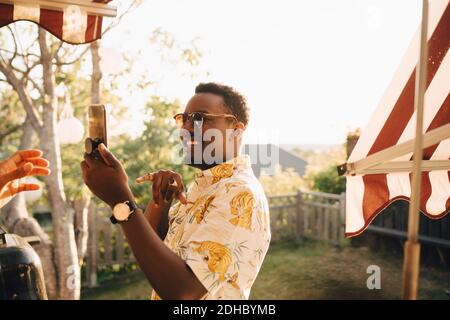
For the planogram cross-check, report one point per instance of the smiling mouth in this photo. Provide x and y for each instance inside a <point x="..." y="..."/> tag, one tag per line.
<point x="190" y="143"/>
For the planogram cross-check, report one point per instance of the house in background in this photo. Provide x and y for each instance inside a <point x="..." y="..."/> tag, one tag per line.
<point x="265" y="157"/>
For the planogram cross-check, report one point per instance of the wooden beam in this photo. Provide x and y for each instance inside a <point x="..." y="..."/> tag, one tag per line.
<point x="59" y="5"/>
<point x="430" y="138"/>
<point x="405" y="166"/>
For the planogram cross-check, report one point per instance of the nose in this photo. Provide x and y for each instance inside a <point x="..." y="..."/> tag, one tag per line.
<point x="186" y="131"/>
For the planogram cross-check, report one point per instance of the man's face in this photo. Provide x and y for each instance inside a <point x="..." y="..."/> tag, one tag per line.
<point x="202" y="141"/>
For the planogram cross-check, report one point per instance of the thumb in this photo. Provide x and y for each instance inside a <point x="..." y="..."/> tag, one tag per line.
<point x="182" y="197"/>
<point x="19" y="172"/>
<point x="107" y="156"/>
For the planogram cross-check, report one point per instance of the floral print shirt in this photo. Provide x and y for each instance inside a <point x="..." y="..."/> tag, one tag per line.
<point x="223" y="233"/>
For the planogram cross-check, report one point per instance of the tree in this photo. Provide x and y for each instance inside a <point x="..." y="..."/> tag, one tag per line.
<point x="327" y="180"/>
<point x="42" y="115"/>
<point x="21" y="68"/>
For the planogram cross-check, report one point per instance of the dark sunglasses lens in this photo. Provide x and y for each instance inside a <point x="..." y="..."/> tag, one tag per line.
<point x="197" y="117"/>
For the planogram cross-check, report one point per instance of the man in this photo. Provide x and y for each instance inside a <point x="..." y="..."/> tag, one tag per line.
<point x="217" y="235"/>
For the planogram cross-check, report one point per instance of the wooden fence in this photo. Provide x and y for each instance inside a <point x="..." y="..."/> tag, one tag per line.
<point x="107" y="246"/>
<point x="313" y="215"/>
<point x="294" y="216"/>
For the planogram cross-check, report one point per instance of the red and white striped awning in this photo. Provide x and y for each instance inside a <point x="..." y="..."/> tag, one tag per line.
<point x="391" y="130"/>
<point x="73" y="21"/>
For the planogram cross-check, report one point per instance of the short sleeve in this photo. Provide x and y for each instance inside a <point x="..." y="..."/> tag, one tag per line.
<point x="227" y="249"/>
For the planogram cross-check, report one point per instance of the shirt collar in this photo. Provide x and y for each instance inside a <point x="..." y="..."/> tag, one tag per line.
<point x="224" y="170"/>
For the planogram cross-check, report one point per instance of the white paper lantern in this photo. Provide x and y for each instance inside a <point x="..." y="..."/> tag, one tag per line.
<point x="60" y="90"/>
<point x="70" y="130"/>
<point x="32" y="196"/>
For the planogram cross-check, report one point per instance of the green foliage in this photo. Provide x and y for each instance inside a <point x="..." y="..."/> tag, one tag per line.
<point x="327" y="180"/>
<point x="13" y="116"/>
<point x="281" y="182"/>
<point x="153" y="149"/>
<point x="321" y="174"/>
<point x="320" y="159"/>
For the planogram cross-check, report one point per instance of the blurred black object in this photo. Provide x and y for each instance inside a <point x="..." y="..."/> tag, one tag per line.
<point x="21" y="275"/>
<point x="91" y="145"/>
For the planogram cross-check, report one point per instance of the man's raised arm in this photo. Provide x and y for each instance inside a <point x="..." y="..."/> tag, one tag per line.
<point x="167" y="273"/>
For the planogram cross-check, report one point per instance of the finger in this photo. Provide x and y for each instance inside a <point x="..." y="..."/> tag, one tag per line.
<point x="156" y="188"/>
<point x="21" y="155"/>
<point x="90" y="159"/>
<point x="38" y="162"/>
<point x="172" y="190"/>
<point x="84" y="169"/>
<point x="19" y="172"/>
<point x="26" y="187"/>
<point x="107" y="156"/>
<point x="181" y="195"/>
<point x="166" y="180"/>
<point x="39" y="171"/>
<point x="146" y="177"/>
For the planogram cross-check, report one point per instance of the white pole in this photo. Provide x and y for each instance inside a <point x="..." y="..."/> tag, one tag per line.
<point x="411" y="260"/>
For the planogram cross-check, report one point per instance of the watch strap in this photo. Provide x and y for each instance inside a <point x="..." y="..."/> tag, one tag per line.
<point x="113" y="219"/>
<point x="132" y="205"/>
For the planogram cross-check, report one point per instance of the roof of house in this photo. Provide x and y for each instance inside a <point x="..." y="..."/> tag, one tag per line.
<point x="265" y="157"/>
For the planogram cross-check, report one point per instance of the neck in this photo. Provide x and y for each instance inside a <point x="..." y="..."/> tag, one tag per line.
<point x="206" y="166"/>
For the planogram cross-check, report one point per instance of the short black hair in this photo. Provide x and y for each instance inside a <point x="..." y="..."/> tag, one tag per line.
<point x="232" y="99"/>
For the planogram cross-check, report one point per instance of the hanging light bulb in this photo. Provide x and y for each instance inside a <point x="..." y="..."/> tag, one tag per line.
<point x="69" y="129"/>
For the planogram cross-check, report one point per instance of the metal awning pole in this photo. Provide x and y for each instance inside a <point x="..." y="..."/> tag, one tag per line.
<point x="411" y="261"/>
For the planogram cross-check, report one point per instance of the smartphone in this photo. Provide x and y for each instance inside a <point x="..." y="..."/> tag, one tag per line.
<point x="97" y="128"/>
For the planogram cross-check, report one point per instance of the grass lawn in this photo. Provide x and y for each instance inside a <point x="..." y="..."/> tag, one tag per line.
<point x="309" y="271"/>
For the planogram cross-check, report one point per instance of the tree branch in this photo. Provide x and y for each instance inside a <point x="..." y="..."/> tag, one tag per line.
<point x="23" y="55"/>
<point x="134" y="4"/>
<point x="13" y="129"/>
<point x="36" y="86"/>
<point x="23" y="96"/>
<point x="15" y="46"/>
<point x="59" y="62"/>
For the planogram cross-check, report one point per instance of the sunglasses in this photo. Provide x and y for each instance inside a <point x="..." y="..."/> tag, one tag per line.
<point x="198" y="117"/>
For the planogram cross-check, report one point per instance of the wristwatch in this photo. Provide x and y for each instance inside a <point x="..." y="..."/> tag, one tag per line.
<point x="122" y="211"/>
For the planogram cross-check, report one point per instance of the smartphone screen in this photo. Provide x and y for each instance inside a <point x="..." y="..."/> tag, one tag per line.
<point x="97" y="123"/>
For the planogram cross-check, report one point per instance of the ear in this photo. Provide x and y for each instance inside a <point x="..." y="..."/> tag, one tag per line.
<point x="239" y="128"/>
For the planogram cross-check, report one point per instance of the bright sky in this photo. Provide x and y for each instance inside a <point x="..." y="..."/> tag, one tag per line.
<point x="311" y="70"/>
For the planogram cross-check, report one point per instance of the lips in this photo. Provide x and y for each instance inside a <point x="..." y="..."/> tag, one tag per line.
<point x="189" y="143"/>
<point x="192" y="142"/>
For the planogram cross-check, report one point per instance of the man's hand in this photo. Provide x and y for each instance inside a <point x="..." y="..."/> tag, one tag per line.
<point x="166" y="272"/>
<point x="167" y="184"/>
<point x="20" y="164"/>
<point x="106" y="179"/>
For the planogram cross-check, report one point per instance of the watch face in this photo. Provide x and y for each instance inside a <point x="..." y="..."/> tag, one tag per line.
<point x="121" y="212"/>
